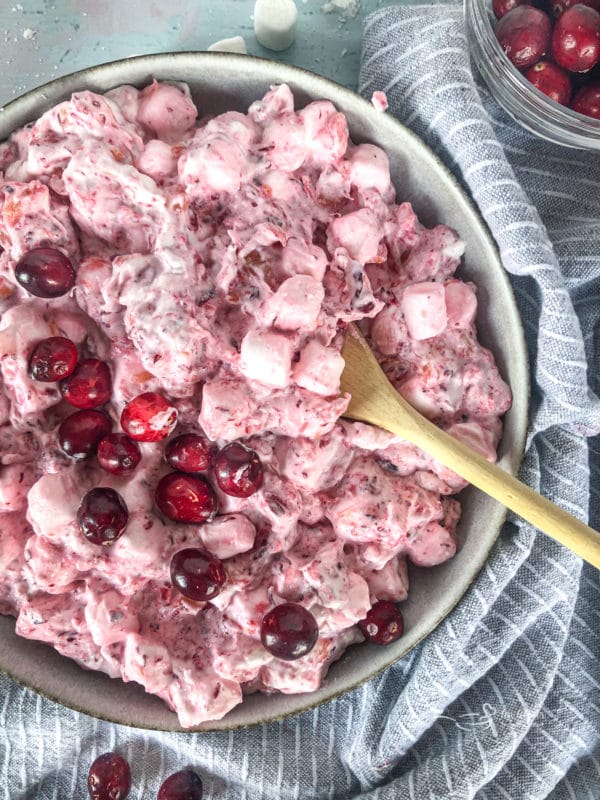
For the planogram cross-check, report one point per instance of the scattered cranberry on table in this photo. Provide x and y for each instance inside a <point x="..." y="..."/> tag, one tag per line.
<point x="289" y="631"/>
<point x="197" y="574"/>
<point x="557" y="53"/>
<point x="238" y="470"/>
<point x="45" y="272"/>
<point x="186" y="498"/>
<point x="53" y="359"/>
<point x="109" y="778"/>
<point x="383" y="624"/>
<point x="182" y="785"/>
<point x="149" y="417"/>
<point x="80" y="433"/>
<point x="118" y="454"/>
<point x="89" y="386"/>
<point x="189" y="452"/>
<point x="102" y="516"/>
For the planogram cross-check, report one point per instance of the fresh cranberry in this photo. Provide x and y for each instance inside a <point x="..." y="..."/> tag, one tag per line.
<point x="118" y="454"/>
<point x="45" y="272"/>
<point x="560" y="6"/>
<point x="198" y="575"/>
<point x="80" y="433"/>
<point x="109" y="778"/>
<point x="502" y="7"/>
<point x="551" y="80"/>
<point x="186" y="498"/>
<point x="102" y="516"/>
<point x="587" y="100"/>
<point x="576" y="39"/>
<point x="238" y="470"/>
<point x="183" y="785"/>
<point x="149" y="417"/>
<point x="90" y="385"/>
<point x="383" y="623"/>
<point x="524" y="35"/>
<point x="189" y="452"/>
<point x="289" y="631"/>
<point x="53" y="359"/>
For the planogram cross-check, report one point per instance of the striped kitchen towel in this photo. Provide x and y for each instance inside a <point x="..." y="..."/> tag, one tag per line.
<point x="501" y="701"/>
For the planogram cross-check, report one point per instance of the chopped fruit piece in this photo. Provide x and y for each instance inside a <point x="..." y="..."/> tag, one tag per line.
<point x="45" y="272"/>
<point x="80" y="433"/>
<point x="118" y="454"/>
<point x="238" y="470"/>
<point x="53" y="359"/>
<point x="149" y="417"/>
<point x="182" y="785"/>
<point x="109" y="778"/>
<point x="185" y="498"/>
<point x="189" y="452"/>
<point x="102" y="516"/>
<point x="197" y="574"/>
<point x="289" y="631"/>
<point x="383" y="624"/>
<point x="89" y="386"/>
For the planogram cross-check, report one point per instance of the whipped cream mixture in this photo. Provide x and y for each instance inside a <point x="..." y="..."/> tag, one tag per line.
<point x="219" y="261"/>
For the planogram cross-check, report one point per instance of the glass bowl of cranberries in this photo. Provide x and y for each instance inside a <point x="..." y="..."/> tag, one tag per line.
<point x="541" y="61"/>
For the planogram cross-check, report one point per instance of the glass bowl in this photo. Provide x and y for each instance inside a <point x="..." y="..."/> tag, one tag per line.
<point x="525" y="104"/>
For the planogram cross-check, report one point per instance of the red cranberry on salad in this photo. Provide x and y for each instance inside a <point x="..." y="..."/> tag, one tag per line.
<point x="189" y="452"/>
<point x="89" y="385"/>
<point x="197" y="574"/>
<point x="118" y="454"/>
<point x="289" y="631"/>
<point x="102" y="516"/>
<point x="238" y="470"/>
<point x="186" y="498"/>
<point x="45" y="272"/>
<point x="149" y="417"/>
<point x="80" y="433"/>
<point x="53" y="359"/>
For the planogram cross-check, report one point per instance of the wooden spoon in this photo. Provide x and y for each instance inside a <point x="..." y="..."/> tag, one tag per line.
<point x="375" y="400"/>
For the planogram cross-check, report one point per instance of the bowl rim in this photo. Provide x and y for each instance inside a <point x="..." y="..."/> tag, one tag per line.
<point x="36" y="101"/>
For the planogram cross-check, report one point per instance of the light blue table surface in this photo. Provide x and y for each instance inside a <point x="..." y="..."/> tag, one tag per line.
<point x="44" y="39"/>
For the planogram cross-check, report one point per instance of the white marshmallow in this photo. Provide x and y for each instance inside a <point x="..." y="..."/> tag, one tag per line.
<point x="234" y="45"/>
<point x="275" y="23"/>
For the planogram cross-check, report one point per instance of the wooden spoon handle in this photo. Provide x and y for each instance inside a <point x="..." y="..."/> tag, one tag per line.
<point x="494" y="481"/>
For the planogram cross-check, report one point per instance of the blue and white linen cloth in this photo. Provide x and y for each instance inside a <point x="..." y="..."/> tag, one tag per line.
<point x="501" y="702"/>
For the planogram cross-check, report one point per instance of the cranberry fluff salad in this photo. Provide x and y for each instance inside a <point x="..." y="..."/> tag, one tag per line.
<point x="181" y="504"/>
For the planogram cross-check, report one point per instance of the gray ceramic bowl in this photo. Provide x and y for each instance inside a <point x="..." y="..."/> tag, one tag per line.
<point x="222" y="82"/>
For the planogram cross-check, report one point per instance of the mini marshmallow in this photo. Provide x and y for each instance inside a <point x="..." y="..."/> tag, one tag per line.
<point x="275" y="23"/>
<point x="235" y="44"/>
<point x="267" y="357"/>
<point x="424" y="308"/>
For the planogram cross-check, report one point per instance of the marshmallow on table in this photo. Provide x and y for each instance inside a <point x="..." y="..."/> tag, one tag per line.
<point x="275" y="23"/>
<point x="234" y="45"/>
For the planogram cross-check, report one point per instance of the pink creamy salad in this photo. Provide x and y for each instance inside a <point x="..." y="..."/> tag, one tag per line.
<point x="219" y="261"/>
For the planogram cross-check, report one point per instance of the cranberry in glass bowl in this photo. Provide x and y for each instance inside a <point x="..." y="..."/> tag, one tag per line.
<point x="525" y="102"/>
